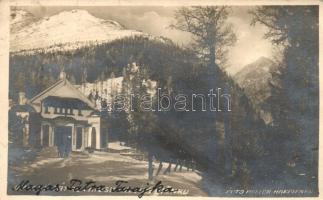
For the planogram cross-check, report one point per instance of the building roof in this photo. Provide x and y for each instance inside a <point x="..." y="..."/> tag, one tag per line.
<point x="62" y="89"/>
<point x="67" y="102"/>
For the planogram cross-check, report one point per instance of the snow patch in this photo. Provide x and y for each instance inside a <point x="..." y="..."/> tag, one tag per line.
<point x="43" y="162"/>
<point x="117" y="146"/>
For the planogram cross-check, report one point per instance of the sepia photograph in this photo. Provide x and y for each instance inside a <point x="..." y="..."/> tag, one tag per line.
<point x="163" y="100"/>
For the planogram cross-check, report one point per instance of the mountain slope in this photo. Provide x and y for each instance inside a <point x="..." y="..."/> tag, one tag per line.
<point x="66" y="30"/>
<point x="254" y="79"/>
<point x="20" y="19"/>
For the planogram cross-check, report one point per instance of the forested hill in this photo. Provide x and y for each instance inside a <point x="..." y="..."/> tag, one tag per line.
<point x="34" y="72"/>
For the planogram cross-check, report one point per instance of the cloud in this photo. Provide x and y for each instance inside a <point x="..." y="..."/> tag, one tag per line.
<point x="151" y="22"/>
<point x="159" y="25"/>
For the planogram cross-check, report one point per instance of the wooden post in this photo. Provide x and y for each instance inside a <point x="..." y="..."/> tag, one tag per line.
<point x="168" y="168"/>
<point x="159" y="168"/>
<point x="187" y="165"/>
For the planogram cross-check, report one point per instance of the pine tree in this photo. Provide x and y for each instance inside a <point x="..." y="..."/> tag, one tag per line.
<point x="295" y="93"/>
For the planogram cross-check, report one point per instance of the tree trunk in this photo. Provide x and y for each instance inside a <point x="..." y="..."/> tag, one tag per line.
<point x="167" y="171"/>
<point x="159" y="168"/>
<point x="213" y="82"/>
<point x="228" y="141"/>
<point x="187" y="165"/>
<point x="150" y="166"/>
<point x="212" y="59"/>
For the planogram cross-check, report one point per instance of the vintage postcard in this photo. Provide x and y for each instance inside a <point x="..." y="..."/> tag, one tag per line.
<point x="159" y="98"/>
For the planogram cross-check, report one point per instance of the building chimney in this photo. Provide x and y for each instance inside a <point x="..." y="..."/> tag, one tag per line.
<point x="22" y="98"/>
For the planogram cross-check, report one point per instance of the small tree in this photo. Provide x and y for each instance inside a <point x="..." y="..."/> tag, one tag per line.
<point x="212" y="36"/>
<point x="142" y="123"/>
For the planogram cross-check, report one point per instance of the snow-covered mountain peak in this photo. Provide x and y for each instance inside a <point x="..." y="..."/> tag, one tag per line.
<point x="66" y="30"/>
<point x="20" y="18"/>
<point x="82" y="16"/>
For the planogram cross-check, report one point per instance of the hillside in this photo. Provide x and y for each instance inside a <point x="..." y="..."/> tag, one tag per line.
<point x="20" y="19"/>
<point x="254" y="79"/>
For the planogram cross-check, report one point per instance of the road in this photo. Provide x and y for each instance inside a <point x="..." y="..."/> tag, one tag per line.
<point x="103" y="168"/>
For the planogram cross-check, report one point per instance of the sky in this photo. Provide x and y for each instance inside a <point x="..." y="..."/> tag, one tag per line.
<point x="249" y="47"/>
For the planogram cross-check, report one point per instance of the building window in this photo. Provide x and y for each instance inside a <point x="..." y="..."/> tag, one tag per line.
<point x="66" y="111"/>
<point x="55" y="110"/>
<point x="46" y="109"/>
<point x="71" y="111"/>
<point x="79" y="137"/>
<point x="80" y="112"/>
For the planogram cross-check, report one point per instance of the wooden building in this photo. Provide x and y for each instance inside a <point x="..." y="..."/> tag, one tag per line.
<point x="63" y="115"/>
